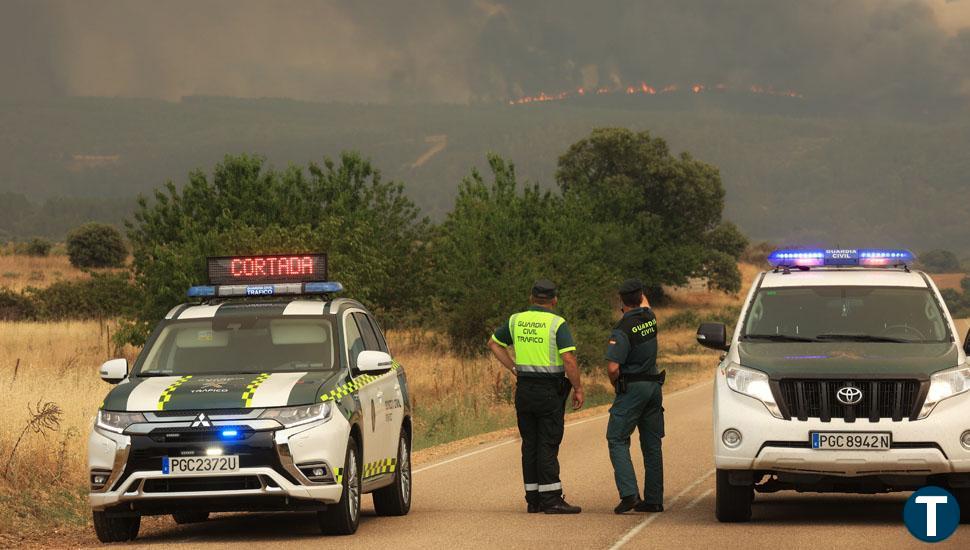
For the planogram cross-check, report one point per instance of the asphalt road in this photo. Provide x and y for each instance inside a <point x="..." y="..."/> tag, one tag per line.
<point x="474" y="500"/>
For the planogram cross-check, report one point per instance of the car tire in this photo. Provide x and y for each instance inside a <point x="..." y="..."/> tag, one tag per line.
<point x="732" y="502"/>
<point x="115" y="529"/>
<point x="189" y="516"/>
<point x="395" y="499"/>
<point x="343" y="517"/>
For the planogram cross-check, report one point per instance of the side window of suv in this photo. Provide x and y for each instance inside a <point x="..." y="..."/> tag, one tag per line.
<point x="381" y="341"/>
<point x="354" y="341"/>
<point x="367" y="331"/>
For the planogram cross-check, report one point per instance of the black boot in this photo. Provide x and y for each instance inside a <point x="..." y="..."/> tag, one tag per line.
<point x="644" y="507"/>
<point x="533" y="508"/>
<point x="626" y="504"/>
<point x="560" y="506"/>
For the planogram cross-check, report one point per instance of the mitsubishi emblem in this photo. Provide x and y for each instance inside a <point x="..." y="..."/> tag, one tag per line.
<point x="201" y="421"/>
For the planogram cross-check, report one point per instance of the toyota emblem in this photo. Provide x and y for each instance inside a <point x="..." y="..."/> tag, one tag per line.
<point x="849" y="395"/>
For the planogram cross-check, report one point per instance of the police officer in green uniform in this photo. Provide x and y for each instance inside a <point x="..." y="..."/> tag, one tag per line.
<point x="632" y="367"/>
<point x="545" y="367"/>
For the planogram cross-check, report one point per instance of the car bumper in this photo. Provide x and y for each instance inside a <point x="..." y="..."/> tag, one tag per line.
<point x="924" y="447"/>
<point x="269" y="477"/>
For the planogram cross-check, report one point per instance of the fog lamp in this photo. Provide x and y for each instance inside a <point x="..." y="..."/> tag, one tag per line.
<point x="731" y="438"/>
<point x="965" y="440"/>
<point x="318" y="472"/>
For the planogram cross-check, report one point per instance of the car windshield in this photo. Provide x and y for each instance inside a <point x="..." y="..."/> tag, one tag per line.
<point x="246" y="344"/>
<point x="845" y="313"/>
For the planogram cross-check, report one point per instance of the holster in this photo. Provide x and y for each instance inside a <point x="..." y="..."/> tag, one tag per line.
<point x="625" y="379"/>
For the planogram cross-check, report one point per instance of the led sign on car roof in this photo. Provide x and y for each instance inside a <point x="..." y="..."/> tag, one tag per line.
<point x="276" y="268"/>
<point x="266" y="275"/>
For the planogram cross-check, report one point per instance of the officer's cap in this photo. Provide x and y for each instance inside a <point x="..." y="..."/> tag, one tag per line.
<point x="631" y="286"/>
<point x="544" y="288"/>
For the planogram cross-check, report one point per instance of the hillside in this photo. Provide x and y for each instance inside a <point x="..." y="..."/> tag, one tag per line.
<point x="794" y="171"/>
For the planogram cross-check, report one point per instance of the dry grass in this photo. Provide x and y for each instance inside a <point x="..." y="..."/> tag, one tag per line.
<point x="948" y="280"/>
<point x="44" y="491"/>
<point x="19" y="272"/>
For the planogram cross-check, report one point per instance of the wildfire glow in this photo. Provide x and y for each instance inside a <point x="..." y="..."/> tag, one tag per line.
<point x="646" y="89"/>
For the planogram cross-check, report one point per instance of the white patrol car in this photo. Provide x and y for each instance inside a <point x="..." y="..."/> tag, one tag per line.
<point x="266" y="394"/>
<point x="843" y="375"/>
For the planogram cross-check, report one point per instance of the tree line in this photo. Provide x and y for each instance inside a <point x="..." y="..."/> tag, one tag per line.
<point x="625" y="206"/>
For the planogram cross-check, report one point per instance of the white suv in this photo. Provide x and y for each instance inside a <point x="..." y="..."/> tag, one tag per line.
<point x="843" y="375"/>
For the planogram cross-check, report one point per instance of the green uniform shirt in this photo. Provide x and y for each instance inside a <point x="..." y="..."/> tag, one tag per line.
<point x="633" y="342"/>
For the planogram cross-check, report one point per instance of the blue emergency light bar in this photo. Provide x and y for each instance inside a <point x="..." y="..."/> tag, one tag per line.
<point x="841" y="257"/>
<point x="269" y="289"/>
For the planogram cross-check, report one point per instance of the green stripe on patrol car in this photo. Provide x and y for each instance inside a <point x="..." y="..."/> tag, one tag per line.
<point x="247" y="395"/>
<point x="355" y="385"/>
<point x="166" y="395"/>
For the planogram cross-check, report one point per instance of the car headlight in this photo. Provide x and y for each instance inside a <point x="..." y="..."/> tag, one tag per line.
<point x="294" y="416"/>
<point x="945" y="384"/>
<point x="118" y="422"/>
<point x="752" y="383"/>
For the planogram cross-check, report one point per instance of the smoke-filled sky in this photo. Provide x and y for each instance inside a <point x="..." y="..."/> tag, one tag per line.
<point x="892" y="51"/>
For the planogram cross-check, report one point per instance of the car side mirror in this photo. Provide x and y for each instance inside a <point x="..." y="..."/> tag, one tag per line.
<point x="713" y="335"/>
<point x="114" y="371"/>
<point x="374" y="361"/>
<point x="966" y="344"/>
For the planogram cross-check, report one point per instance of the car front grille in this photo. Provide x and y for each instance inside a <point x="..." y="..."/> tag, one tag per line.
<point x="201" y="484"/>
<point x="811" y="398"/>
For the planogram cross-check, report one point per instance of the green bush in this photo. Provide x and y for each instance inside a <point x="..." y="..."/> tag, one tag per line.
<point x="939" y="261"/>
<point x="104" y="295"/>
<point x="687" y="318"/>
<point x="371" y="231"/>
<point x="957" y="303"/>
<point x="38" y="247"/>
<point x="96" y="245"/>
<point x="16" y="306"/>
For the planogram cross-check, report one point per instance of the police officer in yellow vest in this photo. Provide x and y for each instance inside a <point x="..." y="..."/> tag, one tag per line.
<point x="545" y="367"/>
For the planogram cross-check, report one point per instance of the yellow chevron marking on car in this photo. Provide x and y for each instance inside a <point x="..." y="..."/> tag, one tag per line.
<point x="338" y="475"/>
<point x="384" y="466"/>
<point x="166" y="395"/>
<point x="355" y="385"/>
<point x="247" y="395"/>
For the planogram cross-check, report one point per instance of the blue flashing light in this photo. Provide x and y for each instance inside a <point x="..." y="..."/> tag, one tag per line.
<point x="202" y="291"/>
<point x="268" y="289"/>
<point x="229" y="433"/>
<point x="841" y="257"/>
<point x="323" y="288"/>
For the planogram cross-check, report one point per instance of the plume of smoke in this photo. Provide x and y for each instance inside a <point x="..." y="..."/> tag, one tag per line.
<point x="892" y="52"/>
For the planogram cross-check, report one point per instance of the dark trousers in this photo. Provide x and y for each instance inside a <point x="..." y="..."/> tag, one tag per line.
<point x="540" y="405"/>
<point x="640" y="408"/>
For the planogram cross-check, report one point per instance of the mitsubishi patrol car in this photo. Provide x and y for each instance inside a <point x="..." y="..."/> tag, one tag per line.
<point x="265" y="393"/>
<point x="844" y="374"/>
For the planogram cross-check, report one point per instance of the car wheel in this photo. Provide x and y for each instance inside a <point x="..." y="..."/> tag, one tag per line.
<point x="115" y="529"/>
<point x="343" y="517"/>
<point x="185" y="517"/>
<point x="395" y="499"/>
<point x="732" y="502"/>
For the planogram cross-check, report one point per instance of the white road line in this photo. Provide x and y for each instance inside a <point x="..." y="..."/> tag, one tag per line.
<point x="653" y="517"/>
<point x="701" y="497"/>
<point x="569" y="425"/>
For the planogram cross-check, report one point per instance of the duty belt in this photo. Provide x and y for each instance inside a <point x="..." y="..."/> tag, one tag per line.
<point x="643" y="377"/>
